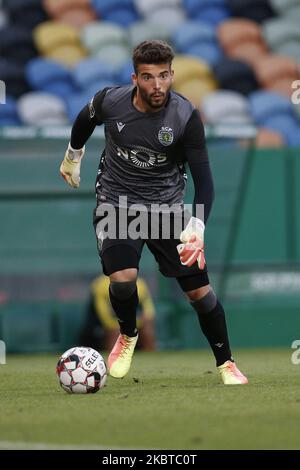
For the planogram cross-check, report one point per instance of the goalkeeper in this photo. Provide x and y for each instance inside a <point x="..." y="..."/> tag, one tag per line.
<point x="151" y="133"/>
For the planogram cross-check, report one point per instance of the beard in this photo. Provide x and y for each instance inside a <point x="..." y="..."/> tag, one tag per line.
<point x="155" y="100"/>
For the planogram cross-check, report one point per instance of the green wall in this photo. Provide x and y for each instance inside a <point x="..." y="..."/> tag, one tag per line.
<point x="48" y="252"/>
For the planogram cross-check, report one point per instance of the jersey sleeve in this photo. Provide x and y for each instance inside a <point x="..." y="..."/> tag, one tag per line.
<point x="89" y="117"/>
<point x="195" y="151"/>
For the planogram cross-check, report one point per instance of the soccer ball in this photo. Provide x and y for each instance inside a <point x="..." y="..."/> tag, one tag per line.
<point x="81" y="370"/>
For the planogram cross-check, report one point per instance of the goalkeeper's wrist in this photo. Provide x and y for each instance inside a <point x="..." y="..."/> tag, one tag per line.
<point x="75" y="154"/>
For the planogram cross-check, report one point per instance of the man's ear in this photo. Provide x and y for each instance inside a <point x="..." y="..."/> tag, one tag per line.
<point x="134" y="78"/>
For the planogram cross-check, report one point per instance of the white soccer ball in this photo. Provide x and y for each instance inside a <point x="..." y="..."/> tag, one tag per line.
<point x="81" y="370"/>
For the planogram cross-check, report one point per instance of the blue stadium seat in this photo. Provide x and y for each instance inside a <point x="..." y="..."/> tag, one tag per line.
<point x="91" y="70"/>
<point x="8" y="112"/>
<point x="210" y="53"/>
<point x="124" y="76"/>
<point x="47" y="75"/>
<point x="193" y="7"/>
<point x="191" y="32"/>
<point x="122" y="12"/>
<point x="286" y="125"/>
<point x="212" y="15"/>
<point x="265" y="104"/>
<point x="123" y="17"/>
<point x="103" y="7"/>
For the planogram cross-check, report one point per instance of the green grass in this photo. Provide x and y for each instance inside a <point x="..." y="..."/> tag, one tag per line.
<point x="170" y="400"/>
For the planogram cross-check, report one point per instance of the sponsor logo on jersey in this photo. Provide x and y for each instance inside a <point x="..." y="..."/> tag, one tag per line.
<point x="165" y="135"/>
<point x="142" y="157"/>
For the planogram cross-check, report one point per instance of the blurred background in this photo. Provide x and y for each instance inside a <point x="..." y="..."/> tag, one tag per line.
<point x="236" y="60"/>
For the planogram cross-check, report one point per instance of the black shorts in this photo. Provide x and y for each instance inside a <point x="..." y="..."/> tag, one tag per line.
<point x="122" y="252"/>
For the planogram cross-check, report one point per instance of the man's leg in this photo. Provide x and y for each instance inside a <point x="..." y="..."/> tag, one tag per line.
<point x="124" y="300"/>
<point x="213" y="324"/>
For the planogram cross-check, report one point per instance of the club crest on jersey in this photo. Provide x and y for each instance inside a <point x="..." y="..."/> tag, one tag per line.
<point x="166" y="136"/>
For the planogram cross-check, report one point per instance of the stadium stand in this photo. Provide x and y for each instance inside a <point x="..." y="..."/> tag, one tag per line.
<point x="69" y="48"/>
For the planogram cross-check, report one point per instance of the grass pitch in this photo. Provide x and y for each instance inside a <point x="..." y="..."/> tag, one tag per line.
<point x="169" y="400"/>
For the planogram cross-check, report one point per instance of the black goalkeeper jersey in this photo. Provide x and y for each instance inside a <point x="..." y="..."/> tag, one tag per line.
<point x="144" y="153"/>
<point x="143" y="158"/>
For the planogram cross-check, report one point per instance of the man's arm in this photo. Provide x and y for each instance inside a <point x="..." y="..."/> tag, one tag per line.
<point x="192" y="247"/>
<point x="88" y="118"/>
<point x="197" y="158"/>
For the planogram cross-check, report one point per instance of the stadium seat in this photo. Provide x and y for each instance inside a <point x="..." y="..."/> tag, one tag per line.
<point x="144" y="7"/>
<point x="293" y="13"/>
<point x="281" y="6"/>
<point x="235" y="75"/>
<point x="192" y="32"/>
<point x="92" y="70"/>
<point x="12" y="74"/>
<point x="256" y="10"/>
<point x="9" y="113"/>
<point x="97" y="35"/>
<point x="56" y="8"/>
<point x="116" y="11"/>
<point x="115" y="55"/>
<point x="217" y="106"/>
<point x="123" y="17"/>
<point x="77" y="18"/>
<point x="16" y="44"/>
<point x="265" y="104"/>
<point x="276" y="73"/>
<point x="237" y="31"/>
<point x="209" y="53"/>
<point x="212" y="15"/>
<point x="143" y="30"/>
<point x="266" y="138"/>
<point x="47" y="75"/>
<point x="248" y="52"/>
<point x="175" y="17"/>
<point x="124" y="75"/>
<point x="51" y="35"/>
<point x="188" y="68"/>
<point x="196" y="89"/>
<point x="280" y="30"/>
<point x="3" y="18"/>
<point x="25" y="13"/>
<point x="193" y="7"/>
<point x="39" y="108"/>
<point x="288" y="126"/>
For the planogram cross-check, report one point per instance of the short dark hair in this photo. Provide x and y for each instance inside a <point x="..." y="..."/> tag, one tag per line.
<point x="152" y="52"/>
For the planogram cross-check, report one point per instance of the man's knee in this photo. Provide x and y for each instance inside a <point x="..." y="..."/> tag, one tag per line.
<point x="206" y="303"/>
<point x="126" y="275"/>
<point x="198" y="293"/>
<point x="122" y="290"/>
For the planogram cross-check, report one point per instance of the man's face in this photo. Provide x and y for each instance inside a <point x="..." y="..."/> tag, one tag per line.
<point x="153" y="82"/>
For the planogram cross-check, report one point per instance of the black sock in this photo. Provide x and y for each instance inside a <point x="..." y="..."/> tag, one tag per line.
<point x="125" y="309"/>
<point x="213" y="325"/>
